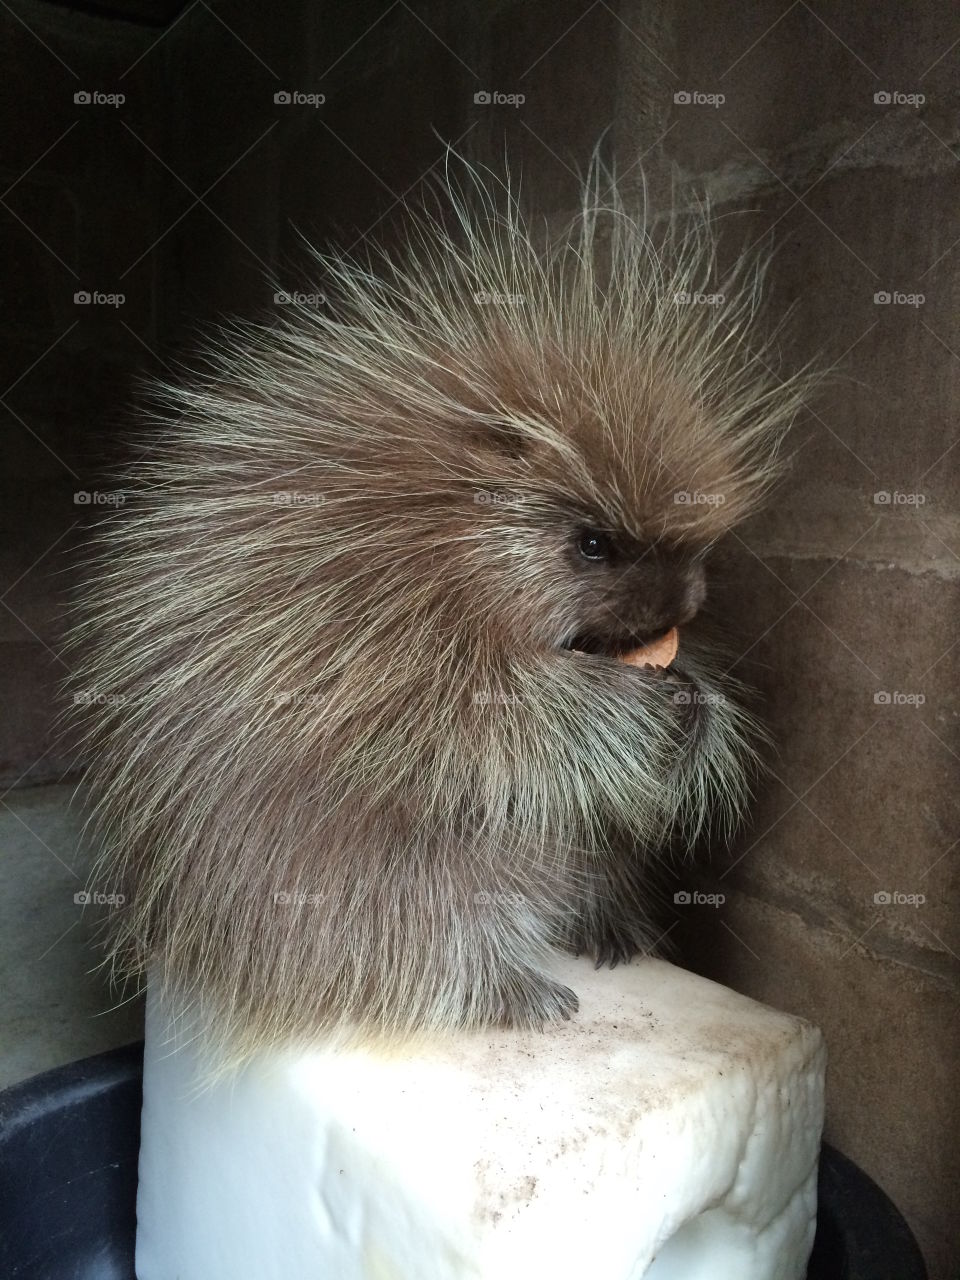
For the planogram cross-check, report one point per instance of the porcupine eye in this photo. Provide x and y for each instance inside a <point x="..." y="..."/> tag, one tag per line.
<point x="594" y="545"/>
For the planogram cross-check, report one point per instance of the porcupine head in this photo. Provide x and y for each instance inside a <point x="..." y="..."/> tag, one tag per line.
<point x="371" y="754"/>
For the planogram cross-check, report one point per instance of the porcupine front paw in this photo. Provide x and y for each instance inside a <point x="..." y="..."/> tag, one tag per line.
<point x="531" y="999"/>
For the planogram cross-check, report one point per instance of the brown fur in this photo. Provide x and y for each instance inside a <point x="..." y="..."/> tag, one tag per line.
<point x="337" y="624"/>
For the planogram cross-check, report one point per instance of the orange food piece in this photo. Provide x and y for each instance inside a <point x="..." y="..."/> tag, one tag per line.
<point x="659" y="653"/>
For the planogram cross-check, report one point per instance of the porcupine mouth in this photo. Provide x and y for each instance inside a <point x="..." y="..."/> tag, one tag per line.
<point x="614" y="646"/>
<point x="685" y="698"/>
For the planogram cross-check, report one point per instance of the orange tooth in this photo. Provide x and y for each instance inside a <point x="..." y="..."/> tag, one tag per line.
<point x="659" y="653"/>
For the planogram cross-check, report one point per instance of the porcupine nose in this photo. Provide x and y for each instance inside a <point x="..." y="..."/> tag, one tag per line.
<point x="676" y="598"/>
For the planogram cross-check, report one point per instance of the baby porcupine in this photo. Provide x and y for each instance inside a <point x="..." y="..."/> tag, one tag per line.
<point x="369" y="755"/>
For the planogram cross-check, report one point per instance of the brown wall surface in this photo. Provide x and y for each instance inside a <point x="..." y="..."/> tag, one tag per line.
<point x="838" y="134"/>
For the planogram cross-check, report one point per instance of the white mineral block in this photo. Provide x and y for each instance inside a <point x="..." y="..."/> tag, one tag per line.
<point x="669" y="1131"/>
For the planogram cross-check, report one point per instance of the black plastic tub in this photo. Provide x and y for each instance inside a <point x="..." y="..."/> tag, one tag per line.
<point x="68" y="1186"/>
